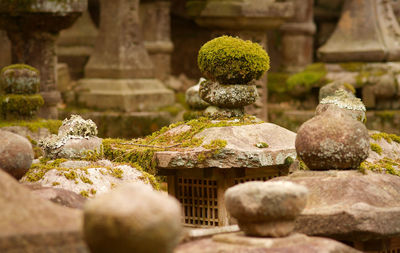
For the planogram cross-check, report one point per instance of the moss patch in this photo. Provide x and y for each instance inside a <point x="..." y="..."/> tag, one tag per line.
<point x="352" y="66"/>
<point x="376" y="148"/>
<point x="141" y="151"/>
<point x="34" y="125"/>
<point x="388" y="137"/>
<point x="385" y="165"/>
<point x="19" y="66"/>
<point x="232" y="60"/>
<point x="20" y="106"/>
<point x="312" y="76"/>
<point x="261" y="145"/>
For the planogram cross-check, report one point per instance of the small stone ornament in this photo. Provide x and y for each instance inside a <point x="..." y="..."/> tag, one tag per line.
<point x="266" y="209"/>
<point x="231" y="67"/>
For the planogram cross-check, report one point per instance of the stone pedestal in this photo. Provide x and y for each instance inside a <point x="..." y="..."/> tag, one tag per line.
<point x="75" y="45"/>
<point x="198" y="177"/>
<point x="298" y="37"/>
<point x="367" y="31"/>
<point x="155" y="20"/>
<point x="246" y="19"/>
<point x="33" y="29"/>
<point x="120" y="74"/>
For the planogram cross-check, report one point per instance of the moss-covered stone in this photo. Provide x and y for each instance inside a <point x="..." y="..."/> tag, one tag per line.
<point x="19" y="79"/>
<point x="388" y="137"/>
<point x="312" y="76"/>
<point x="232" y="61"/>
<point x="20" y="106"/>
<point x="385" y="165"/>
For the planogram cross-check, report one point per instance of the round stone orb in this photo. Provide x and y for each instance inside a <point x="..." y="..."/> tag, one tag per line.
<point x="332" y="140"/>
<point x="266" y="208"/>
<point x="132" y="218"/>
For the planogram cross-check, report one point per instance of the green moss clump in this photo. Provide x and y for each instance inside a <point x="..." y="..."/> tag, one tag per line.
<point x="215" y="144"/>
<point x="388" y="137"/>
<point x="117" y="173"/>
<point x="93" y="191"/>
<point x="71" y="175"/>
<point x="232" y="60"/>
<point x="352" y="66"/>
<point x="55" y="183"/>
<point x="350" y="87"/>
<point x="261" y="145"/>
<point x="86" y="180"/>
<point x="20" y="106"/>
<point x="385" y="165"/>
<point x="84" y="194"/>
<point x="376" y="148"/>
<point x="313" y="75"/>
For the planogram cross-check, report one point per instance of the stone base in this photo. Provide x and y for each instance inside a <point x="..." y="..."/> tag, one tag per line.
<point x="237" y="242"/>
<point x="128" y="95"/>
<point x="268" y="229"/>
<point x="124" y="125"/>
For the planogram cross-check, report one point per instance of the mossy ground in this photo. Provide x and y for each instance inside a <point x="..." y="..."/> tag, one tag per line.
<point x="313" y="75"/>
<point x="34" y="125"/>
<point x="20" y="106"/>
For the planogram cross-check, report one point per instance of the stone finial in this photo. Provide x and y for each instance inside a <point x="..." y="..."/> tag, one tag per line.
<point x="345" y="102"/>
<point x="16" y="154"/>
<point x="330" y="89"/>
<point x="266" y="209"/>
<point x="132" y="218"/>
<point x="231" y="66"/>
<point x="20" y="86"/>
<point x="75" y="138"/>
<point x="332" y="140"/>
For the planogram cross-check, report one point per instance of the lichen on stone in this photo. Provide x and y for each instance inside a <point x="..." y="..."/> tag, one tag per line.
<point x="344" y="100"/>
<point x="231" y="60"/>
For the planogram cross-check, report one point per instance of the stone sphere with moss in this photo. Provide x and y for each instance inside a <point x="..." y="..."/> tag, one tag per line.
<point x="230" y="60"/>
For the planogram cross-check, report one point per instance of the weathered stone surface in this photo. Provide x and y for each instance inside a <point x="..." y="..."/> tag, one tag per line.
<point x="296" y="243"/>
<point x="16" y="154"/>
<point x="59" y="196"/>
<point x="83" y="177"/>
<point x="193" y="98"/>
<point x="240" y="151"/>
<point x="228" y="96"/>
<point x="345" y="102"/>
<point x="216" y="112"/>
<point x="41" y="132"/>
<point x="76" y="137"/>
<point x="332" y="140"/>
<point x="266" y="208"/>
<point x="330" y="89"/>
<point x="366" y="31"/>
<point x="348" y="205"/>
<point x="31" y="224"/>
<point x="20" y="79"/>
<point x="133" y="218"/>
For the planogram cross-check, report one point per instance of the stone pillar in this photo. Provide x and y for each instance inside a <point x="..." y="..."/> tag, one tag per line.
<point x="298" y="36"/>
<point x="75" y="45"/>
<point x="156" y="27"/>
<point x="247" y="19"/>
<point x="120" y="73"/>
<point x="5" y="49"/>
<point x="33" y="30"/>
<point x="367" y="31"/>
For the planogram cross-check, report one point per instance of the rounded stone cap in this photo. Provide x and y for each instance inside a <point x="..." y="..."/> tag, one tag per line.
<point x="132" y="218"/>
<point x="16" y="154"/>
<point x="332" y="140"/>
<point x="19" y="79"/>
<point x="266" y="201"/>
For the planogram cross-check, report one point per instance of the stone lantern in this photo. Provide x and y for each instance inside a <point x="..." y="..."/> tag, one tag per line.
<point x="33" y="27"/>
<point x="247" y="19"/>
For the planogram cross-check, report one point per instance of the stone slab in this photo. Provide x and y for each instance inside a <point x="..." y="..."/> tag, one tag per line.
<point x="31" y="224"/>
<point x="237" y="242"/>
<point x="128" y="95"/>
<point x="349" y="205"/>
<point x="240" y="151"/>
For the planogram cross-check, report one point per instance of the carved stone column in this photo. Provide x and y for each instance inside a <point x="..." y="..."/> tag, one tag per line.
<point x="120" y="73"/>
